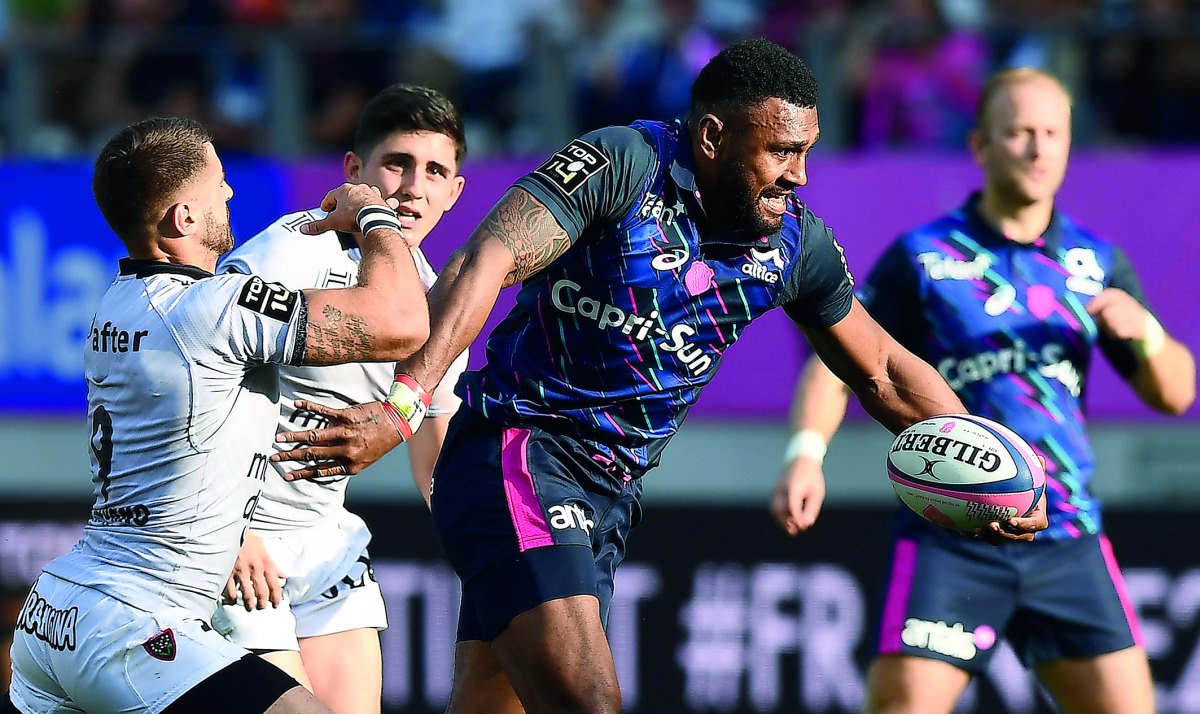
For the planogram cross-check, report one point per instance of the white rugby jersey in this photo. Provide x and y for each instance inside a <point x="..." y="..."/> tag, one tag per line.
<point x="329" y="260"/>
<point x="182" y="401"/>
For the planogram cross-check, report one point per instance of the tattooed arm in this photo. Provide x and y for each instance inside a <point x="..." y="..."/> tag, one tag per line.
<point x="382" y="318"/>
<point x="518" y="238"/>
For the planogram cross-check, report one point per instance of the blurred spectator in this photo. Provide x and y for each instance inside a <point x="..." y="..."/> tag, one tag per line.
<point x="918" y="77"/>
<point x="474" y="52"/>
<point x="1146" y="75"/>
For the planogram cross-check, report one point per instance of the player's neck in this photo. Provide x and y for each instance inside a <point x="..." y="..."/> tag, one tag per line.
<point x="1020" y="223"/>
<point x="178" y="254"/>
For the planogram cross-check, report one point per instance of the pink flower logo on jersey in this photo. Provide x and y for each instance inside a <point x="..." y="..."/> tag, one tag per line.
<point x="699" y="278"/>
<point x="1041" y="301"/>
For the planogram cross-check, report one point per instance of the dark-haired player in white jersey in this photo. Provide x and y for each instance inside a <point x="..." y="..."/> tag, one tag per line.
<point x="182" y="400"/>
<point x="322" y="625"/>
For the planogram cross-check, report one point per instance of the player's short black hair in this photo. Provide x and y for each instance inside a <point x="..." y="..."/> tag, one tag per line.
<point x="142" y="167"/>
<point x="749" y="72"/>
<point x="409" y="107"/>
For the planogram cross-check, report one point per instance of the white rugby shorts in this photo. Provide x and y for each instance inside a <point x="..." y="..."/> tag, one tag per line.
<point x="329" y="588"/>
<point x="76" y="649"/>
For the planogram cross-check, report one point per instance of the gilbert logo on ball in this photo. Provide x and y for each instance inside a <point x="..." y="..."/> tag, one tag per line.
<point x="963" y="471"/>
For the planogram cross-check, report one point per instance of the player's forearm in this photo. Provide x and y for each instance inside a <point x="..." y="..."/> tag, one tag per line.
<point x="382" y="318"/>
<point x="1167" y="380"/>
<point x="459" y="303"/>
<point x="819" y="403"/>
<point x="912" y="391"/>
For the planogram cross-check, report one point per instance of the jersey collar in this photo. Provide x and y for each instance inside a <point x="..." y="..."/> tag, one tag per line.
<point x="140" y="268"/>
<point x="1050" y="241"/>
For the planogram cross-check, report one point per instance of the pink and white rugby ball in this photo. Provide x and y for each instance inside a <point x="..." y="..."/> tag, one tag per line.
<point x="962" y="471"/>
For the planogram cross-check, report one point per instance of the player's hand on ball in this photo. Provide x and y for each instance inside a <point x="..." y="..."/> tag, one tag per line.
<point x="255" y="577"/>
<point x="342" y="205"/>
<point x="797" y="500"/>
<point x="1018" y="528"/>
<point x="353" y="439"/>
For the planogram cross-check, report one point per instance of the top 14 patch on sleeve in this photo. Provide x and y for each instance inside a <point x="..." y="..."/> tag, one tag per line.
<point x="268" y="299"/>
<point x="570" y="167"/>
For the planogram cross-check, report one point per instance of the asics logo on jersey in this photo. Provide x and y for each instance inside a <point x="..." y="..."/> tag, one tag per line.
<point x="49" y="624"/>
<point x="986" y="365"/>
<point x="607" y="316"/>
<point x="570" y="515"/>
<point x="949" y="640"/>
<point x="942" y="267"/>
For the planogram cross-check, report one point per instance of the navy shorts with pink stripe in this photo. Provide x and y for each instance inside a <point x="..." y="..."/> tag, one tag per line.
<point x="952" y="599"/>
<point x="526" y="516"/>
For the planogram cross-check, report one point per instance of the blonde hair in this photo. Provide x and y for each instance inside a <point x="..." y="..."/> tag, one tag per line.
<point x="1004" y="80"/>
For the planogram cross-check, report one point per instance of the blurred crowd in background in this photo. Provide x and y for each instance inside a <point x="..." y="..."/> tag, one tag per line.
<point x="289" y="77"/>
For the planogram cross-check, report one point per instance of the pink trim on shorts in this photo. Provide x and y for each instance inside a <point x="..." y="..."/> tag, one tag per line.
<point x="895" y="608"/>
<point x="1114" y="572"/>
<point x="523" y="506"/>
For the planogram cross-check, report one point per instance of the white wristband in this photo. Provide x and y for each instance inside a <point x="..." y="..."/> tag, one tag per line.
<point x="1153" y="341"/>
<point x="376" y="216"/>
<point x="805" y="442"/>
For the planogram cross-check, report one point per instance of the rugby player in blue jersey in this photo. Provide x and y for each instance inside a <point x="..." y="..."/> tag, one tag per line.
<point x="642" y="252"/>
<point x="1006" y="297"/>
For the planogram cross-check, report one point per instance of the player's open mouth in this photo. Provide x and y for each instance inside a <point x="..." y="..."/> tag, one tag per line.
<point x="408" y="218"/>
<point x="775" y="203"/>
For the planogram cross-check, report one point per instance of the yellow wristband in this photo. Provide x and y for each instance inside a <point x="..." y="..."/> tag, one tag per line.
<point x="805" y="442"/>
<point x="1153" y="341"/>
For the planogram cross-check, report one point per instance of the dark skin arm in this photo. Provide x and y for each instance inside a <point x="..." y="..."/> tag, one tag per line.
<point x="898" y="389"/>
<point x="517" y="239"/>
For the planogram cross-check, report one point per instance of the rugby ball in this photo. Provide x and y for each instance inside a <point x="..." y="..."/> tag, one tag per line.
<point x="962" y="471"/>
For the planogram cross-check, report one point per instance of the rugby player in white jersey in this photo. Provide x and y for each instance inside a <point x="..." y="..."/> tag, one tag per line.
<point x="323" y="628"/>
<point x="182" y="398"/>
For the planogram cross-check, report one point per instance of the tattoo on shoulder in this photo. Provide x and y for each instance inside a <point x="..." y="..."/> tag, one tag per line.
<point x="529" y="231"/>
<point x="337" y="338"/>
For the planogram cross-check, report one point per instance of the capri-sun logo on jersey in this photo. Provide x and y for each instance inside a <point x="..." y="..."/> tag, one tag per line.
<point x="565" y="296"/>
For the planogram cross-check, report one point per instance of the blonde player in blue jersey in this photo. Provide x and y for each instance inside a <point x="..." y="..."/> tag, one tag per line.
<point x="1007" y="297"/>
<point x="321" y="625"/>
<point x="642" y="253"/>
<point x="182" y="401"/>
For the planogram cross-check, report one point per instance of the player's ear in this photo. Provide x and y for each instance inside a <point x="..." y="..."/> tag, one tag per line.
<point x="178" y="221"/>
<point x="708" y="134"/>
<point x="977" y="143"/>
<point x="352" y="166"/>
<point x="456" y="188"/>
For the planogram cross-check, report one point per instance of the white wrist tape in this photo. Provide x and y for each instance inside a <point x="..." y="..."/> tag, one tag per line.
<point x="376" y="216"/>
<point x="805" y="442"/>
<point x="1153" y="341"/>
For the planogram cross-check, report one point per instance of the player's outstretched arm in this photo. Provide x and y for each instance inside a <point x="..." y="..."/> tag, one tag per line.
<point x="898" y="389"/>
<point x="382" y="318"/>
<point x="818" y="407"/>
<point x="517" y="239"/>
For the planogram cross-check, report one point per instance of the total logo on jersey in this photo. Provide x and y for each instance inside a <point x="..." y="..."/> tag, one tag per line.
<point x="949" y="640"/>
<point x="984" y="366"/>
<point x="607" y="316"/>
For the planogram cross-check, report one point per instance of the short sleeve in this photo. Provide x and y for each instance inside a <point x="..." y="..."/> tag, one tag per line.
<point x="595" y="178"/>
<point x="891" y="292"/>
<point x="819" y="291"/>
<point x="246" y="320"/>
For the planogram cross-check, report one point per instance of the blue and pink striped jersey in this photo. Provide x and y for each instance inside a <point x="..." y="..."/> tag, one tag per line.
<point x="613" y="342"/>
<point x="1006" y="325"/>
